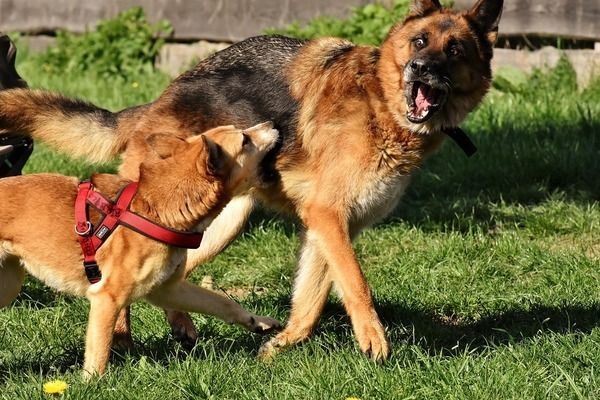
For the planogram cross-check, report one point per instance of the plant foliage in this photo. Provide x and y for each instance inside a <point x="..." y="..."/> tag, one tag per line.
<point x="125" y="46"/>
<point x="368" y="24"/>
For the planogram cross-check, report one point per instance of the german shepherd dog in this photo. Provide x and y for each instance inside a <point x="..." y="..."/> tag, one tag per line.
<point x="182" y="185"/>
<point x="355" y="123"/>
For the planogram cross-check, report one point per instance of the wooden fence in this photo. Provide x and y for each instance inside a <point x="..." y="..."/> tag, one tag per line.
<point x="232" y="20"/>
<point x="573" y="19"/>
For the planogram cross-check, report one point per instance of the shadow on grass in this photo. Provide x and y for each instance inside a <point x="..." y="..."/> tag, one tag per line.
<point x="514" y="165"/>
<point x="163" y="350"/>
<point x="36" y="295"/>
<point x="64" y="360"/>
<point x="434" y="334"/>
<point x="447" y="336"/>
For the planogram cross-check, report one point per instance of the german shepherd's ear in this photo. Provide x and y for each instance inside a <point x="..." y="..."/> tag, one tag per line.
<point x="165" y="146"/>
<point x="487" y="13"/>
<point x="424" y="7"/>
<point x="215" y="159"/>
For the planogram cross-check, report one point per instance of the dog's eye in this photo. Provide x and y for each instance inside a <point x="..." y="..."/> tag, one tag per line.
<point x="245" y="140"/>
<point x="420" y="43"/>
<point x="454" y="51"/>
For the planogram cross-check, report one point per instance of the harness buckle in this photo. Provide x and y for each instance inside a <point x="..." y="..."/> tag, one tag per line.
<point x="92" y="272"/>
<point x="88" y="229"/>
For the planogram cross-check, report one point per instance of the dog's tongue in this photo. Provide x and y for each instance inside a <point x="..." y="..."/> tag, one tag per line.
<point x="424" y="97"/>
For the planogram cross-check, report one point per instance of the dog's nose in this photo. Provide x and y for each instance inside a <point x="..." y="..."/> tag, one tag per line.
<point x="418" y="66"/>
<point x="421" y="67"/>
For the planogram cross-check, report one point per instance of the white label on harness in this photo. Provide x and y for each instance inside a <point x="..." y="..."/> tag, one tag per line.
<point x="102" y="232"/>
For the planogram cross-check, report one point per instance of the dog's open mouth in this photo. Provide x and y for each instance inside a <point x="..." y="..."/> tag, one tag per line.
<point x="423" y="101"/>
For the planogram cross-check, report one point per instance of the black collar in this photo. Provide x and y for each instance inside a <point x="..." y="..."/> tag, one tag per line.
<point x="461" y="139"/>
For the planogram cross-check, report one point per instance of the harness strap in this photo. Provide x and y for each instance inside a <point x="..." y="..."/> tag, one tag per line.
<point x="115" y="214"/>
<point x="84" y="230"/>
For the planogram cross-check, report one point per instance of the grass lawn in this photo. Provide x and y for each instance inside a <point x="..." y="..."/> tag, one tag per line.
<point x="487" y="277"/>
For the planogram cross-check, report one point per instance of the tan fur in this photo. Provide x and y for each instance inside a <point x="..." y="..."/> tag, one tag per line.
<point x="352" y="154"/>
<point x="34" y="111"/>
<point x="181" y="185"/>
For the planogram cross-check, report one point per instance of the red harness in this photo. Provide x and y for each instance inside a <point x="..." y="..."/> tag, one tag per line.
<point x="117" y="213"/>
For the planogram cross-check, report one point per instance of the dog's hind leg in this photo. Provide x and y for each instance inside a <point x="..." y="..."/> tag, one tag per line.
<point x="122" y="339"/>
<point x="184" y="296"/>
<point x="12" y="275"/>
<point x="311" y="287"/>
<point x="221" y="232"/>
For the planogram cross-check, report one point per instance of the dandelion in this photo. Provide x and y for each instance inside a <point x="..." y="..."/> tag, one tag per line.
<point x="352" y="398"/>
<point x="55" y="387"/>
<point x="135" y="85"/>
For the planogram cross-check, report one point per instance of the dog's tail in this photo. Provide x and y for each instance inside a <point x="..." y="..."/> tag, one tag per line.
<point x="72" y="126"/>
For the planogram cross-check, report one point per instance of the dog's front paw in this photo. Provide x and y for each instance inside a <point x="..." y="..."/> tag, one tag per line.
<point x="263" y="325"/>
<point x="372" y="340"/>
<point x="270" y="349"/>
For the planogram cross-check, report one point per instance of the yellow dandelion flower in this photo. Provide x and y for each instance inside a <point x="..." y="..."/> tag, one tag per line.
<point x="55" y="387"/>
<point x="352" y="398"/>
<point x="135" y="85"/>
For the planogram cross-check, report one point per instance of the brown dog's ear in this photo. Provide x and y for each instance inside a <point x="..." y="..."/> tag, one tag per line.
<point x="215" y="157"/>
<point x="423" y="7"/>
<point x="487" y="13"/>
<point x="165" y="146"/>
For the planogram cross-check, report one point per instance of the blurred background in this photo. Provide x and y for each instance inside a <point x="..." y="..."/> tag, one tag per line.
<point x="200" y="27"/>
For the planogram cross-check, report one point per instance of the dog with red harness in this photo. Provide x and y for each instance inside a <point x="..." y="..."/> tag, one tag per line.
<point x="74" y="238"/>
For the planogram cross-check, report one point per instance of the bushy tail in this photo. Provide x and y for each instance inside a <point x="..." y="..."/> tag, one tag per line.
<point x="74" y="127"/>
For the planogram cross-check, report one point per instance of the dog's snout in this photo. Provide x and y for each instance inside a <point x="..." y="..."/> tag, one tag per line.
<point x="418" y="66"/>
<point x="422" y="67"/>
<point x="261" y="126"/>
<point x="269" y="137"/>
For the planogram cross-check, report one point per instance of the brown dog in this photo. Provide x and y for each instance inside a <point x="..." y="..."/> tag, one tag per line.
<point x="355" y="122"/>
<point x="183" y="185"/>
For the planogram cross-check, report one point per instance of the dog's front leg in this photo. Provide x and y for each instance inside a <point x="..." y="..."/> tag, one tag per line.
<point x="221" y="232"/>
<point x="329" y="230"/>
<point x="104" y="309"/>
<point x="184" y="296"/>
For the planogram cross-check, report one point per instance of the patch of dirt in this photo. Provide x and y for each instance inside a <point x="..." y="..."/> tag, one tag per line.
<point x="238" y="293"/>
<point x="588" y="244"/>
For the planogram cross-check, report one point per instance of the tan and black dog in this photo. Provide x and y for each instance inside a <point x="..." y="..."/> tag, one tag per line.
<point x="183" y="184"/>
<point x="355" y="122"/>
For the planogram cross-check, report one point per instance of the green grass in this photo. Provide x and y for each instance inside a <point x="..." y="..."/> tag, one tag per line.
<point x="487" y="276"/>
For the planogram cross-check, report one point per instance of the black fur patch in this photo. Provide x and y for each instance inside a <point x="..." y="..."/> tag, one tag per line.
<point x="74" y="106"/>
<point x="243" y="85"/>
<point x="335" y="54"/>
<point x="446" y="24"/>
<point x="375" y="55"/>
<point x="486" y="47"/>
